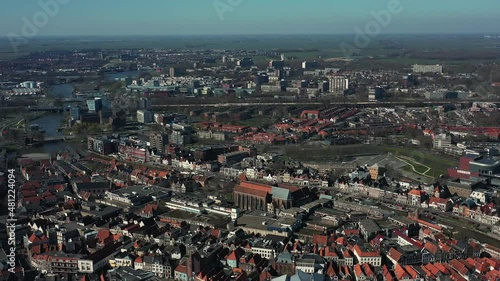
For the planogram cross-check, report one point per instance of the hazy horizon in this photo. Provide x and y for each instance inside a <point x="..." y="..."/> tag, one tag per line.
<point x="115" y="36"/>
<point x="246" y="17"/>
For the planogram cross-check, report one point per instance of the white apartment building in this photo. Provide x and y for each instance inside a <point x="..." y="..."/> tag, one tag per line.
<point x="338" y="84"/>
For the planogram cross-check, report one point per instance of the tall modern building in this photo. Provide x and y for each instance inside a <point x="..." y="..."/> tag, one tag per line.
<point x="324" y="86"/>
<point x="144" y="104"/>
<point x="338" y="84"/>
<point x="145" y="116"/>
<point x="309" y="64"/>
<point x="75" y="112"/>
<point x="158" y="141"/>
<point x="172" y="72"/>
<point x="245" y="62"/>
<point x="428" y="68"/>
<point x="106" y="103"/>
<point x="95" y="104"/>
<point x="277" y="64"/>
<point x="376" y="93"/>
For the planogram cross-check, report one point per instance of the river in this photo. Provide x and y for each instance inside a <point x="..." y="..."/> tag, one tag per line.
<point x="50" y="123"/>
<point x="62" y="91"/>
<point x="122" y="75"/>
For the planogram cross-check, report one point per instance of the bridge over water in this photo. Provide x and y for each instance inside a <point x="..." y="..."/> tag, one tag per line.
<point x="53" y="109"/>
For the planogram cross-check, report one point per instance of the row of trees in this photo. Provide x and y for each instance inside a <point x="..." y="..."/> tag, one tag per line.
<point x="81" y="130"/>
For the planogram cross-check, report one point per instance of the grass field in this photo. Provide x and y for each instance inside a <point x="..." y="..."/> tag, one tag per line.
<point x="418" y="168"/>
<point x="437" y="163"/>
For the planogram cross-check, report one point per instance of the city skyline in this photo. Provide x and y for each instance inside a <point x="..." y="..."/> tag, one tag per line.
<point x="245" y="17"/>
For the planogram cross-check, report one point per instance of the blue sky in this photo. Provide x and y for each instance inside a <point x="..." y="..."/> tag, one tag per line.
<point x="173" y="17"/>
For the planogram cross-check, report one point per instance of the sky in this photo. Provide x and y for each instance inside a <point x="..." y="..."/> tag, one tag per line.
<point x="241" y="17"/>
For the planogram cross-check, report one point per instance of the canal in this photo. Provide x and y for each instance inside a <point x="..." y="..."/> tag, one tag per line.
<point x="51" y="123"/>
<point x="123" y="75"/>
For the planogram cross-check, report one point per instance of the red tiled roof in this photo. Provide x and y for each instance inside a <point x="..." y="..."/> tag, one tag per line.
<point x="444" y="247"/>
<point x="215" y="233"/>
<point x="349" y="232"/>
<point x="290" y="187"/>
<point x="431" y="247"/>
<point x="341" y="241"/>
<point x="436" y="201"/>
<point x="34" y="239"/>
<point x="427" y="272"/>
<point x="181" y="268"/>
<point x="459" y="267"/>
<point x="320" y="239"/>
<point x="493" y="275"/>
<point x="358" y="272"/>
<point x="433" y="269"/>
<point x="367" y="270"/>
<point x="400" y="272"/>
<point x="232" y="256"/>
<point x="413" y="274"/>
<point x="102" y="235"/>
<point x="361" y="253"/>
<point x="490" y="247"/>
<point x="150" y="208"/>
<point x="330" y="271"/>
<point x="492" y="262"/>
<point x="243" y="177"/>
<point x="265" y="275"/>
<point x="254" y="189"/>
<point x="416" y="192"/>
<point x="36" y="249"/>
<point x="33" y="199"/>
<point x="329" y="252"/>
<point x="394" y="254"/>
<point x="442" y="268"/>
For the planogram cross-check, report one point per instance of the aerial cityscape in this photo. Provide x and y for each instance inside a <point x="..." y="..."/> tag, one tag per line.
<point x="249" y="140"/>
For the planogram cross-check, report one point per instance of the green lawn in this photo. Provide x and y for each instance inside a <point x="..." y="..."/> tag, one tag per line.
<point x="409" y="169"/>
<point x="437" y="163"/>
<point x="419" y="168"/>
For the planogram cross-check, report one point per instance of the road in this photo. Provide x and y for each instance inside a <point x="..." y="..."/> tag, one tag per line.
<point x="413" y="167"/>
<point x="408" y="103"/>
<point x="4" y="124"/>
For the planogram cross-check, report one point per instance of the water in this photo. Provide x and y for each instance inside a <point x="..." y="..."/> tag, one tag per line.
<point x="122" y="75"/>
<point x="50" y="123"/>
<point x="62" y="91"/>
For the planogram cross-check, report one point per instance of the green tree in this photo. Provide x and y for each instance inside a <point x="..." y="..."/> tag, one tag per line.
<point x="58" y="102"/>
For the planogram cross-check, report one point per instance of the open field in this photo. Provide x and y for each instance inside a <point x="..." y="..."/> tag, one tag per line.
<point x="388" y="48"/>
<point x="388" y="155"/>
<point x="437" y="163"/>
<point x="414" y="167"/>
